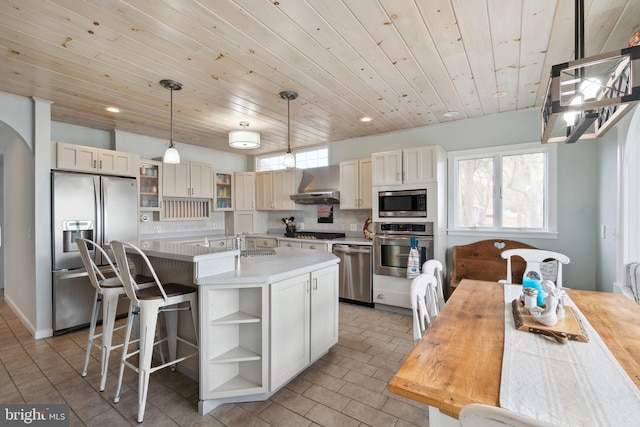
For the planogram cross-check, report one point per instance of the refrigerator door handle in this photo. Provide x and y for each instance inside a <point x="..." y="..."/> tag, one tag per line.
<point x="98" y="226"/>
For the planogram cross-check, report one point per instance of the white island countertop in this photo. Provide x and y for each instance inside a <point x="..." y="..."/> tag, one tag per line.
<point x="184" y="252"/>
<point x="286" y="263"/>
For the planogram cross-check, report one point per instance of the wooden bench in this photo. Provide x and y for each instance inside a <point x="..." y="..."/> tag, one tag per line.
<point x="482" y="261"/>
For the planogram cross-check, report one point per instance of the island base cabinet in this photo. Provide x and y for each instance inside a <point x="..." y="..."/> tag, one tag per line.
<point x="233" y="341"/>
<point x="304" y="322"/>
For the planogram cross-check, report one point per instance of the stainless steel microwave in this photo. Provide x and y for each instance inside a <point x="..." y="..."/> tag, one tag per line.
<point x="402" y="203"/>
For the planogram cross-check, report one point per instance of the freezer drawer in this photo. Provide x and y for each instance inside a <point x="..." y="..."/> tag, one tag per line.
<point x="73" y="297"/>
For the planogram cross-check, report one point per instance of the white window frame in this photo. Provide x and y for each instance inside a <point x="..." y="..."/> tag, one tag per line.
<point x="550" y="230"/>
<point x="296" y="152"/>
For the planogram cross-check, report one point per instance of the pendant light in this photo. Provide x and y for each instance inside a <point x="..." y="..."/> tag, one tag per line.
<point x="171" y="155"/>
<point x="289" y="159"/>
<point x="244" y="139"/>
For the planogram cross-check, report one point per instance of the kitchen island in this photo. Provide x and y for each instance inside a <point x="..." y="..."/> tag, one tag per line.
<point x="269" y="315"/>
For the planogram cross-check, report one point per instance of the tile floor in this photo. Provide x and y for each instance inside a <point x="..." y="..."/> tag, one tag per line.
<point x="347" y="387"/>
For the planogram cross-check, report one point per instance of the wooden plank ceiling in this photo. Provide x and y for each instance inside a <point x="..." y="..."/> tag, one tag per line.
<point x="404" y="63"/>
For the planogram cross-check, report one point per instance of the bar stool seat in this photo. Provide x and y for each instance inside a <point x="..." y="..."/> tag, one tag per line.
<point x="108" y="293"/>
<point x="148" y="303"/>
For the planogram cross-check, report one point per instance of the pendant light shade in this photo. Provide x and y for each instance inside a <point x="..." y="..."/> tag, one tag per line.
<point x="289" y="160"/>
<point x="171" y="155"/>
<point x="244" y="139"/>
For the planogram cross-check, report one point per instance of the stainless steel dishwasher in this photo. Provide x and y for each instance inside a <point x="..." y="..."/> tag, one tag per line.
<point x="355" y="273"/>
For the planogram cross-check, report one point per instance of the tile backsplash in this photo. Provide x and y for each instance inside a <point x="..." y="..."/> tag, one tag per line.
<point x="306" y="214"/>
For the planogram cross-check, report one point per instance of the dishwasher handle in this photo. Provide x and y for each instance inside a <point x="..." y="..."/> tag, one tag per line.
<point x="352" y="249"/>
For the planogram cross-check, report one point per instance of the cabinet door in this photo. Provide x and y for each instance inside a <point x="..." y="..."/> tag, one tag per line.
<point x="245" y="191"/>
<point x="223" y="191"/>
<point x="76" y="157"/>
<point x="364" y="188"/>
<point x="150" y="181"/>
<point x="349" y="193"/>
<point x="419" y="165"/>
<point x="289" y="327"/>
<point x="201" y="177"/>
<point x="284" y="184"/>
<point x="116" y="162"/>
<point x="175" y="179"/>
<point x="324" y="310"/>
<point x="264" y="191"/>
<point x="387" y="168"/>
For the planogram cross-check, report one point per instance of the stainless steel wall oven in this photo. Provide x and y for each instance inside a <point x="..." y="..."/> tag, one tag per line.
<point x="392" y="242"/>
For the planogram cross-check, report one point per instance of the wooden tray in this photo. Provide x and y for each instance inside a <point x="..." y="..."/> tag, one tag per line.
<point x="570" y="325"/>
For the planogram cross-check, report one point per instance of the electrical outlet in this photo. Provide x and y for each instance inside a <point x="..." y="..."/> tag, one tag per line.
<point x="215" y="226"/>
<point x="301" y="226"/>
<point x="354" y="227"/>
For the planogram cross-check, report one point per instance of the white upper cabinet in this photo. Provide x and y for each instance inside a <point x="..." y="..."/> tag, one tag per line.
<point x="187" y="179"/>
<point x="245" y="191"/>
<point x="274" y="188"/>
<point x="408" y="166"/>
<point x="355" y="184"/>
<point x="97" y="160"/>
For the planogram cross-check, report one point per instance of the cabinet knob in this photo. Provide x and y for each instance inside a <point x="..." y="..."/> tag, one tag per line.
<point x="380" y="296"/>
<point x="222" y="243"/>
<point x="312" y="247"/>
<point x="290" y="244"/>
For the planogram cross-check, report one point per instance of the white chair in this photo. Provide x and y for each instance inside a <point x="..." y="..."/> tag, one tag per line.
<point x="149" y="302"/>
<point x="480" y="415"/>
<point x="538" y="260"/>
<point x="423" y="294"/>
<point x="434" y="267"/>
<point x="108" y="293"/>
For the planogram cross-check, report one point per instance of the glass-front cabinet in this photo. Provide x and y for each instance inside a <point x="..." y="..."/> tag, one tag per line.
<point x="150" y="185"/>
<point x="223" y="191"/>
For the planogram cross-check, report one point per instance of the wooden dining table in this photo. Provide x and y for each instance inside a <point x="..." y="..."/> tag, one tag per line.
<point x="459" y="360"/>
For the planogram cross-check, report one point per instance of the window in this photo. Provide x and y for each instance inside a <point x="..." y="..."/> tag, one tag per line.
<point x="312" y="158"/>
<point x="509" y="189"/>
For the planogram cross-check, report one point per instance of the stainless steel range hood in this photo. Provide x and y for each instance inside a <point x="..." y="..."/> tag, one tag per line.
<point x="319" y="186"/>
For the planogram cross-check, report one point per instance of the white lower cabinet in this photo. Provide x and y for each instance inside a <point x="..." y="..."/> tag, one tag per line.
<point x="304" y="322"/>
<point x="234" y="341"/>
<point x="254" y="338"/>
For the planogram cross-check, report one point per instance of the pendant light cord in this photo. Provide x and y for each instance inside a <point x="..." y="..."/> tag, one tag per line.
<point x="171" y="119"/>
<point x="288" y="125"/>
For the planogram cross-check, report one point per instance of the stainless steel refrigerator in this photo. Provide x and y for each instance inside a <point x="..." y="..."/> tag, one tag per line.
<point x="100" y="208"/>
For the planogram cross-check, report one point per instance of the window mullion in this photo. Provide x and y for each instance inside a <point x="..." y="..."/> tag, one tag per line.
<point x="498" y="191"/>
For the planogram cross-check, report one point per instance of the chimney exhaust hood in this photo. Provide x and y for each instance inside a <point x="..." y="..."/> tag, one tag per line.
<point x="319" y="186"/>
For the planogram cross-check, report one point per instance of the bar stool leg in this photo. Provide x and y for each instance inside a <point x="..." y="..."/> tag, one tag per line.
<point x="171" y="326"/>
<point x="125" y="350"/>
<point x="110" y="298"/>
<point x="92" y="331"/>
<point x="148" y="323"/>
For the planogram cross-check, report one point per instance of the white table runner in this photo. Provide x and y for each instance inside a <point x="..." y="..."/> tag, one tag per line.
<point x="577" y="384"/>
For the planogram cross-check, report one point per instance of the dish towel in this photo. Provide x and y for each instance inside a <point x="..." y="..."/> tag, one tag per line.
<point x="576" y="384"/>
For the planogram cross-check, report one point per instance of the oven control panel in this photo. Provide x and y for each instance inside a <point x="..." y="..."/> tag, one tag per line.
<point x="404" y="227"/>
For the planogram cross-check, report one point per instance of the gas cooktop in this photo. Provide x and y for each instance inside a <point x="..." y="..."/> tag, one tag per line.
<point x="312" y="235"/>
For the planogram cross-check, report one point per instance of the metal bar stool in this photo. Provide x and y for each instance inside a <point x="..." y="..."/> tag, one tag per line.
<point x="149" y="302"/>
<point x="108" y="293"/>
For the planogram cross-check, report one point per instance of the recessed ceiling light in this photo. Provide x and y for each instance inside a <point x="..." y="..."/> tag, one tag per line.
<point x="365" y="119"/>
<point x="112" y="109"/>
<point x="450" y="114"/>
<point x="500" y="94"/>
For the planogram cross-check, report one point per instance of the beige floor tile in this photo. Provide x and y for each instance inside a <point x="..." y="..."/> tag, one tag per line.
<point x="346" y="387"/>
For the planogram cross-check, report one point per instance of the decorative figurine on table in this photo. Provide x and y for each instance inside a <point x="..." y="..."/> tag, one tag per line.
<point x="532" y="280"/>
<point x="554" y="305"/>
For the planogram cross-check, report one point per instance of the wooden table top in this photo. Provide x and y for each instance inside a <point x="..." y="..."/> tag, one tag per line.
<point x="459" y="360"/>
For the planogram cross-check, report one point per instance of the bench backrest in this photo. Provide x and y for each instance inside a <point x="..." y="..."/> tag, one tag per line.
<point x="482" y="261"/>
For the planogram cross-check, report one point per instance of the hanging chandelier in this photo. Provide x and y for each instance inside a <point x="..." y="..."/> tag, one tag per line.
<point x="289" y="160"/>
<point x="171" y="155"/>
<point x="587" y="96"/>
<point x="244" y="139"/>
